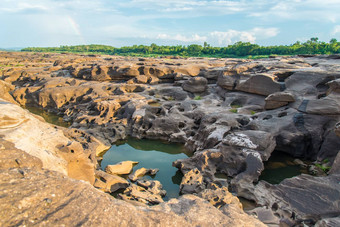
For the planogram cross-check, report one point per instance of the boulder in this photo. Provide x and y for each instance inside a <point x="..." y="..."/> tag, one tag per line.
<point x="153" y="186"/>
<point x="173" y="93"/>
<point x="228" y="82"/>
<point x="261" y="84"/>
<point x="324" y="106"/>
<point x="334" y="86"/>
<point x="142" y="172"/>
<point x="140" y="194"/>
<point x="121" y="168"/>
<point x="278" y="99"/>
<point x="310" y="83"/>
<point x="109" y="183"/>
<point x="195" y="85"/>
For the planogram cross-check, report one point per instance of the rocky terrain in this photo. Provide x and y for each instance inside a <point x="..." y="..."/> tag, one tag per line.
<point x="230" y="113"/>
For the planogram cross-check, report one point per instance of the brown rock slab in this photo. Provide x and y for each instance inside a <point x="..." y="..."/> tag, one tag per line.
<point x="108" y="182"/>
<point x="121" y="168"/>
<point x="142" y="172"/>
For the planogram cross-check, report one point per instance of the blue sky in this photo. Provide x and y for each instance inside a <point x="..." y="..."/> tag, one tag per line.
<point x="168" y="22"/>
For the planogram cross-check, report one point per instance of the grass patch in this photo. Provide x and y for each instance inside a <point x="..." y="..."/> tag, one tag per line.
<point x="169" y="98"/>
<point x="197" y="97"/>
<point x="323" y="168"/>
<point x="233" y="110"/>
<point x="324" y="165"/>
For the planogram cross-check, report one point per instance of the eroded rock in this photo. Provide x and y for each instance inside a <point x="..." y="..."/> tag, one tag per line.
<point x="121" y="168"/>
<point x="142" y="172"/>
<point x="192" y="182"/>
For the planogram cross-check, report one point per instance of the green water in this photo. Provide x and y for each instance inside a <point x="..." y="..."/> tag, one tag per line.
<point x="49" y="117"/>
<point x="279" y="167"/>
<point x="150" y="154"/>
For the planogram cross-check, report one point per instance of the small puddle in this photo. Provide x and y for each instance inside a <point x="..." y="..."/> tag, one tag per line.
<point x="150" y="154"/>
<point x="279" y="167"/>
<point x="49" y="117"/>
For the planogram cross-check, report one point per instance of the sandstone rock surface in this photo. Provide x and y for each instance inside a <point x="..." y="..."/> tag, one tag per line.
<point x="121" y="168"/>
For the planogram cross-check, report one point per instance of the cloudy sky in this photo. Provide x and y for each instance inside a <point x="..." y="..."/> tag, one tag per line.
<point x="126" y="22"/>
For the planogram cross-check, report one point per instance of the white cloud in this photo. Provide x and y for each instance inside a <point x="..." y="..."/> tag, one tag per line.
<point x="336" y="30"/>
<point x="182" y="38"/>
<point x="298" y="10"/>
<point x="232" y="36"/>
<point x="196" y="7"/>
<point x="222" y="38"/>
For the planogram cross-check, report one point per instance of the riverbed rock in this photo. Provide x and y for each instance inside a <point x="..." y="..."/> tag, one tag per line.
<point x="108" y="98"/>
<point x="142" y="172"/>
<point x="278" y="99"/>
<point x="5" y="89"/>
<point x="141" y="194"/>
<point x="266" y="215"/>
<point x="192" y="182"/>
<point x="220" y="197"/>
<point x="259" y="84"/>
<point x="328" y="222"/>
<point x="195" y="208"/>
<point x="302" y="198"/>
<point x="109" y="182"/>
<point x="154" y="186"/>
<point x="121" y="168"/>
<point x="195" y="85"/>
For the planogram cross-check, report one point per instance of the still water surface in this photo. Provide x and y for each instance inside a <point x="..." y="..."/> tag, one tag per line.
<point x="150" y="154"/>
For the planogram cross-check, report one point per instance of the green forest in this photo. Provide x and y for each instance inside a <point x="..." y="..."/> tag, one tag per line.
<point x="238" y="49"/>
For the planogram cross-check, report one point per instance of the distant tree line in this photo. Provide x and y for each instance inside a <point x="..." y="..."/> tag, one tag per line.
<point x="239" y="49"/>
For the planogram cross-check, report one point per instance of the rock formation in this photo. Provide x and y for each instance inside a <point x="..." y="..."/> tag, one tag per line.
<point x="231" y="114"/>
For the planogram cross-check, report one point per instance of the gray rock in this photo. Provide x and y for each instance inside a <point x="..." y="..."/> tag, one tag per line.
<point x="302" y="198"/>
<point x="259" y="84"/>
<point x="324" y="106"/>
<point x="266" y="215"/>
<point x="328" y="222"/>
<point x="195" y="85"/>
<point x="278" y="99"/>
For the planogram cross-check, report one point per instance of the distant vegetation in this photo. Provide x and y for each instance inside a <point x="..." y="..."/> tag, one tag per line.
<point x="239" y="49"/>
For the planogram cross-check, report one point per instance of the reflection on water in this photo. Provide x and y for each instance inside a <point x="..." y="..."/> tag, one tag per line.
<point x="150" y="154"/>
<point x="279" y="167"/>
<point x="49" y="117"/>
